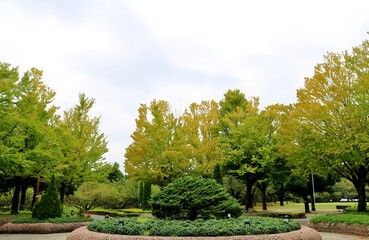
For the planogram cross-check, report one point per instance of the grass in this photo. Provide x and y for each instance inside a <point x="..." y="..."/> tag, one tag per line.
<point x="299" y="207"/>
<point x="347" y="218"/>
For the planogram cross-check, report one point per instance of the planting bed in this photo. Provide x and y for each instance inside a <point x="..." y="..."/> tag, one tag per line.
<point x="305" y="233"/>
<point x="353" y="229"/>
<point x="40" y="227"/>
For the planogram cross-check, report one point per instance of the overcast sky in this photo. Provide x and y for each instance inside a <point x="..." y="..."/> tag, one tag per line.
<point x="123" y="53"/>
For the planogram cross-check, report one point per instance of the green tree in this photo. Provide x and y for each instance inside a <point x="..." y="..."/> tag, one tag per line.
<point x="27" y="141"/>
<point x="329" y="129"/>
<point x="146" y="195"/>
<point x="82" y="145"/>
<point x="49" y="206"/>
<point x="248" y="140"/>
<point x="192" y="197"/>
<point x="217" y="175"/>
<point x="92" y="194"/>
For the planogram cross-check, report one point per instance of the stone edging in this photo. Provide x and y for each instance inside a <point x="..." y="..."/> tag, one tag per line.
<point x="353" y="229"/>
<point x="41" y="227"/>
<point x="305" y="233"/>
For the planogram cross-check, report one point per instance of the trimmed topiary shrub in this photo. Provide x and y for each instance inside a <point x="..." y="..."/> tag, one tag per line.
<point x="192" y="198"/>
<point x="49" y="206"/>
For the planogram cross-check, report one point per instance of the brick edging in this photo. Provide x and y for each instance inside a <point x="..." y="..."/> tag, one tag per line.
<point x="353" y="229"/>
<point x="305" y="233"/>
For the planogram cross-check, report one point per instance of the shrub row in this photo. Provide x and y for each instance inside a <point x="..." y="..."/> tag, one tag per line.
<point x="115" y="213"/>
<point x="291" y="215"/>
<point x="346" y="218"/>
<point x="220" y="227"/>
<point x="52" y="220"/>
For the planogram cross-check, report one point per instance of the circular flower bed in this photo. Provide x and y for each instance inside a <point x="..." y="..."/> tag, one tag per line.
<point x="220" y="227"/>
<point x="305" y="233"/>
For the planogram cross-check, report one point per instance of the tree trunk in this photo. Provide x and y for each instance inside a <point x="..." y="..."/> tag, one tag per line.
<point x="62" y="192"/>
<point x="248" y="197"/>
<point x="36" y="192"/>
<point x="312" y="202"/>
<point x="360" y="188"/>
<point x="281" y="201"/>
<point x="281" y="195"/>
<point x="263" y="194"/>
<point x="306" y="203"/>
<point x="15" y="199"/>
<point x="23" y="194"/>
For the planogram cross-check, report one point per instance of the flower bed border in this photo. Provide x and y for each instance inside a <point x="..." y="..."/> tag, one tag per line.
<point x="353" y="229"/>
<point x="305" y="233"/>
<point x="41" y="227"/>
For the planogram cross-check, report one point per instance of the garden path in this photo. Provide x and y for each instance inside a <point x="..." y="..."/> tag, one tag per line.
<point x="63" y="236"/>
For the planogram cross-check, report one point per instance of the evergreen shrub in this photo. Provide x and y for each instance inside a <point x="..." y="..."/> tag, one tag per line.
<point x="192" y="198"/>
<point x="49" y="206"/>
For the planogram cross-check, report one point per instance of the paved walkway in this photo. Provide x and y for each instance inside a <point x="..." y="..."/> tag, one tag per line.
<point x="63" y="236"/>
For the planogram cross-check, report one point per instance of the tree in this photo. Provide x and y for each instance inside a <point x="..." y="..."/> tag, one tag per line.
<point x="82" y="146"/>
<point x="199" y="125"/>
<point x="248" y="140"/>
<point x="49" y="206"/>
<point x="328" y="128"/>
<point x="26" y="136"/>
<point x="217" y="175"/>
<point x="93" y="194"/>
<point x="157" y="153"/>
<point x="193" y="197"/>
<point x="146" y="195"/>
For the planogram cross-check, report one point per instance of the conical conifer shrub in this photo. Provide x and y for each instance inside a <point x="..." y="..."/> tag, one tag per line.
<point x="49" y="206"/>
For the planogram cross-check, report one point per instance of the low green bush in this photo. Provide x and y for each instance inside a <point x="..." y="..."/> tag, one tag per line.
<point x="291" y="215"/>
<point x="115" y="213"/>
<point x="346" y="218"/>
<point x="220" y="227"/>
<point x="51" y="220"/>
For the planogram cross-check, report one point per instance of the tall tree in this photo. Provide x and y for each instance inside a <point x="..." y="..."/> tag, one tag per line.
<point x="157" y="153"/>
<point x="248" y="137"/>
<point x="203" y="147"/>
<point x="27" y="141"/>
<point x="329" y="127"/>
<point x="82" y="145"/>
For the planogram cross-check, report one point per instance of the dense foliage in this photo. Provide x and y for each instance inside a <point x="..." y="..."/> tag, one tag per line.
<point x="191" y="198"/>
<point x="347" y="218"/>
<point x="36" y="142"/>
<point x="49" y="206"/>
<point x="222" y="227"/>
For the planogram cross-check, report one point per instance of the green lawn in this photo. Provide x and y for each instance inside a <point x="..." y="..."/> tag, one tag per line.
<point x="299" y="207"/>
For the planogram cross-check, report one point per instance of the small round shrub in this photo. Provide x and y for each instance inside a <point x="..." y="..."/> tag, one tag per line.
<point x="192" y="197"/>
<point x="49" y="206"/>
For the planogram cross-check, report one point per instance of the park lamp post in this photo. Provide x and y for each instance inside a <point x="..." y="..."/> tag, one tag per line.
<point x="121" y="223"/>
<point x="247" y="223"/>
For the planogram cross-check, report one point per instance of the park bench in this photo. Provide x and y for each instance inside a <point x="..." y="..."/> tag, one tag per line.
<point x="341" y="207"/>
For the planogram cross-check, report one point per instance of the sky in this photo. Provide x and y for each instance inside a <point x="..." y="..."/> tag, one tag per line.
<point x="127" y="53"/>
